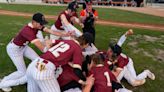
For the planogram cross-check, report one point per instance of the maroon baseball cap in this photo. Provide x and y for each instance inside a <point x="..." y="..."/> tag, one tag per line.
<point x="39" y="17"/>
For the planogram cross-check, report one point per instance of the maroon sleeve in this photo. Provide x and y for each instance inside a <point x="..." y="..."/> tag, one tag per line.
<point x="112" y="77"/>
<point x="77" y="57"/>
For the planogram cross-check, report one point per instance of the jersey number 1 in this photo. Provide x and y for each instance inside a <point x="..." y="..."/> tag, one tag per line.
<point x="60" y="47"/>
<point x="106" y="74"/>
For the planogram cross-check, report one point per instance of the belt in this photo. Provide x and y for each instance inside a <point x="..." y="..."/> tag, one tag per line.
<point x="16" y="44"/>
<point x="43" y="60"/>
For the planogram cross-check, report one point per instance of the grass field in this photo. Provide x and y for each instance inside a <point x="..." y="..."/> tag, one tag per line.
<point x="105" y="14"/>
<point x="143" y="47"/>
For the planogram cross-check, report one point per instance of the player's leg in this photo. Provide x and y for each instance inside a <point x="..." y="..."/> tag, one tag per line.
<point x="44" y="76"/>
<point x="16" y="55"/>
<point x="54" y="29"/>
<point x="70" y="28"/>
<point x="30" y="53"/>
<point x="32" y="85"/>
<point x="15" y="82"/>
<point x="49" y="85"/>
<point x="131" y="80"/>
<point x="73" y="90"/>
<point x="130" y="67"/>
<point x="145" y="74"/>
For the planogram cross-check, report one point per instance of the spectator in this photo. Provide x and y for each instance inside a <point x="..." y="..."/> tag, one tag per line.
<point x="88" y="17"/>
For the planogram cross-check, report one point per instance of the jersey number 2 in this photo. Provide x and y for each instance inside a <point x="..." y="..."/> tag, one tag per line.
<point x="60" y="47"/>
<point x="106" y="74"/>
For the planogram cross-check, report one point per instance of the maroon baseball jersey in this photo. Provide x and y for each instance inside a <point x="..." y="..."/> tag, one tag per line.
<point x="67" y="76"/>
<point x="103" y="78"/>
<point x="64" y="51"/>
<point x="26" y="35"/>
<point x="122" y="60"/>
<point x="58" y="23"/>
<point x="107" y="62"/>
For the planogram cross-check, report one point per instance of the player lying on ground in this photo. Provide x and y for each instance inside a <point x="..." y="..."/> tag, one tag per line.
<point x="105" y="81"/>
<point x="124" y="65"/>
<point x="18" y="46"/>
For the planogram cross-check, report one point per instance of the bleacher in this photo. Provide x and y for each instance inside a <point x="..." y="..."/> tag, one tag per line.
<point x="96" y="2"/>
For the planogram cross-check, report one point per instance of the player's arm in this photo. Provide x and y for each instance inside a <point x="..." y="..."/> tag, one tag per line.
<point x="68" y="27"/>
<point x="115" y="84"/>
<point x="82" y="16"/>
<point x="42" y="47"/>
<point x="95" y="15"/>
<point x="77" y="63"/>
<point x="124" y="36"/>
<point x="89" y="84"/>
<point x="58" y="33"/>
<point x="77" y="21"/>
<point x="117" y="71"/>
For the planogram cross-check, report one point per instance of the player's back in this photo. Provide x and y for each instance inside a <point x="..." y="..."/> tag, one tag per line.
<point x="103" y="78"/>
<point x="58" y="23"/>
<point x="122" y="60"/>
<point x="67" y="75"/>
<point x="63" y="52"/>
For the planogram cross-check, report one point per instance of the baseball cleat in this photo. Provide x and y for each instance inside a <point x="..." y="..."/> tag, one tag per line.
<point x="8" y="89"/>
<point x="150" y="74"/>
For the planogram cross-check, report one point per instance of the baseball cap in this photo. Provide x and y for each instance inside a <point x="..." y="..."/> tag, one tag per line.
<point x="116" y="49"/>
<point x="73" y="5"/>
<point x="39" y="17"/>
<point x="88" y="37"/>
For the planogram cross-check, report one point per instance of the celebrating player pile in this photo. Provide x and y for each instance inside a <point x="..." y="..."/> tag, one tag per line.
<point x="70" y="61"/>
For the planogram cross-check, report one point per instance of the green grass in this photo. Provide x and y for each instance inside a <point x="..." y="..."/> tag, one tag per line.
<point x="11" y="25"/>
<point x="104" y="14"/>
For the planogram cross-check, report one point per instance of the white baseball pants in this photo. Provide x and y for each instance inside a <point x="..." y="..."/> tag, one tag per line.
<point x="16" y="54"/>
<point x="42" y="80"/>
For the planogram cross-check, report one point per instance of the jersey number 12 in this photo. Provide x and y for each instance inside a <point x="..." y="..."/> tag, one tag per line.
<point x="60" y="47"/>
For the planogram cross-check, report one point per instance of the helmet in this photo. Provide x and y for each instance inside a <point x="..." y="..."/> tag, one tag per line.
<point x="73" y="5"/>
<point x="116" y="49"/>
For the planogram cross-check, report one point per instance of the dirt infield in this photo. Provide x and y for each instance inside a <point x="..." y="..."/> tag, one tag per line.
<point x="101" y="22"/>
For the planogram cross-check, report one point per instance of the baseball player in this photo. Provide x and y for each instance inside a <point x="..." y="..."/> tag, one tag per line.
<point x="18" y="46"/>
<point x="125" y="67"/>
<point x="65" y="20"/>
<point x="40" y="73"/>
<point x="105" y="81"/>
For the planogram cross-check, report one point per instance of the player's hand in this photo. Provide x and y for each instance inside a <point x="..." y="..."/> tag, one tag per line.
<point x="82" y="25"/>
<point x="90" y="80"/>
<point x="48" y="43"/>
<point x="129" y="32"/>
